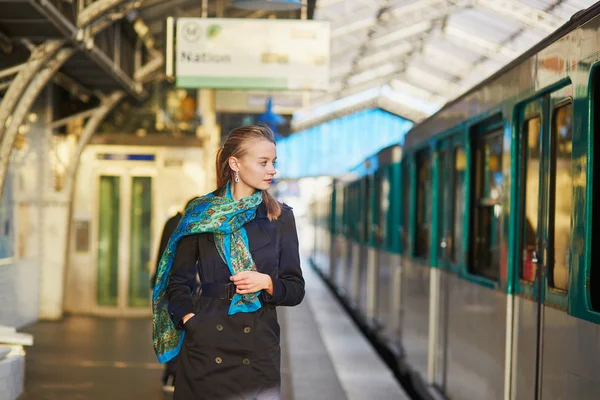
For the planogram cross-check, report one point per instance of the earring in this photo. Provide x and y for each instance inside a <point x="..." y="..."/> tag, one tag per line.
<point x="237" y="176"/>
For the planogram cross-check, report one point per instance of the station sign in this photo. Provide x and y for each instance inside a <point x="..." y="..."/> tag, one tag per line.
<point x="268" y="54"/>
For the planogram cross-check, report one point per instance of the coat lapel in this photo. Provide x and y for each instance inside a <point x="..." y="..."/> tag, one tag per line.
<point x="257" y="236"/>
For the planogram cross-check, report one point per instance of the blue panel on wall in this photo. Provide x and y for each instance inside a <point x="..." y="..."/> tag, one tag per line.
<point x="337" y="146"/>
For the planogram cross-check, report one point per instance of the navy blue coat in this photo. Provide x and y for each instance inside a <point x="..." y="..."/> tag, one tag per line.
<point x="238" y="356"/>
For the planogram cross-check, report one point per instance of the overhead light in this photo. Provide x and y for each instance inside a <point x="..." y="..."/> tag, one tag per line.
<point x="268" y="5"/>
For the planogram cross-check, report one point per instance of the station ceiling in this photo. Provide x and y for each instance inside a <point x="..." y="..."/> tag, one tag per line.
<point x="413" y="56"/>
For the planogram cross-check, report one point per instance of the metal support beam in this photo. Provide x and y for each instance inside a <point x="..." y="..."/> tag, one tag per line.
<point x="395" y="53"/>
<point x="352" y="27"/>
<point x="494" y="51"/>
<point x="387" y="69"/>
<point x="91" y="125"/>
<point x="523" y="13"/>
<point x="70" y="31"/>
<point x="11" y="70"/>
<point x="402" y="84"/>
<point x="66" y="120"/>
<point x="97" y="27"/>
<point x="98" y="9"/>
<point x="146" y="72"/>
<point x="412" y="13"/>
<point x="73" y="87"/>
<point x="386" y="43"/>
<point x="104" y="21"/>
<point x="38" y="59"/>
<point x="27" y="99"/>
<point x="447" y="88"/>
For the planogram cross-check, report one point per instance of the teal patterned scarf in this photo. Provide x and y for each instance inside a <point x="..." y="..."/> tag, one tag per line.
<point x="225" y="217"/>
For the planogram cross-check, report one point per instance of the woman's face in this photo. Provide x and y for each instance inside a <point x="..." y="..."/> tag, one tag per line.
<point x="257" y="166"/>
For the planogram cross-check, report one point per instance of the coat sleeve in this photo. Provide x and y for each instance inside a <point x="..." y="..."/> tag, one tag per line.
<point x="182" y="279"/>
<point x="288" y="286"/>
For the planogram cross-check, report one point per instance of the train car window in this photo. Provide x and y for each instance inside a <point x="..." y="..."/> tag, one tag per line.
<point x="561" y="197"/>
<point x="349" y="211"/>
<point x="354" y="216"/>
<point x="345" y="212"/>
<point x="383" y="201"/>
<point x="457" y="241"/>
<point x="423" y="206"/>
<point x="595" y="255"/>
<point x="366" y="212"/>
<point x="530" y="202"/>
<point x="405" y="204"/>
<point x="339" y="210"/>
<point x="487" y="209"/>
<point x="377" y="208"/>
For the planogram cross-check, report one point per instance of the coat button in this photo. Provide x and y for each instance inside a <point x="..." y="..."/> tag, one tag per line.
<point x="247" y="329"/>
<point x="246" y="361"/>
<point x="218" y="360"/>
<point x="219" y="328"/>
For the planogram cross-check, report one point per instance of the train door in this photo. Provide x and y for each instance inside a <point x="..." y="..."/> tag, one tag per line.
<point x="544" y="242"/>
<point x="124" y="239"/>
<point x="451" y="159"/>
<point x="444" y="244"/>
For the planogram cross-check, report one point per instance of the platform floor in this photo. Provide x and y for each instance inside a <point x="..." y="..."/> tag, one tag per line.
<point x="324" y="357"/>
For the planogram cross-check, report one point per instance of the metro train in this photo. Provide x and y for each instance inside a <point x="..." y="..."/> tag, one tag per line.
<point x="469" y="251"/>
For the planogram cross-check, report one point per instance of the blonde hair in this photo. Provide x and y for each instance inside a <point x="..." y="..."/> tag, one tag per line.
<point x="236" y="145"/>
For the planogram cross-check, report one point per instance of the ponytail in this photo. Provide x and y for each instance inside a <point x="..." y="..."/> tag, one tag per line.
<point x="273" y="207"/>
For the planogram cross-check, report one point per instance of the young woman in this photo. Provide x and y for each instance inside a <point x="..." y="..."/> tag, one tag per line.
<point x="244" y="246"/>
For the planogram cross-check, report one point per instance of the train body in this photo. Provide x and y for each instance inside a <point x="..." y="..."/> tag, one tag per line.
<point x="471" y="251"/>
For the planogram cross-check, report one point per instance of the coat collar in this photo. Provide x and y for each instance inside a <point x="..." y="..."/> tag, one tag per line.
<point x="261" y="211"/>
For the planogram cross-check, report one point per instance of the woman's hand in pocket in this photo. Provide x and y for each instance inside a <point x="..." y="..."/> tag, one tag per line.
<point x="187" y="317"/>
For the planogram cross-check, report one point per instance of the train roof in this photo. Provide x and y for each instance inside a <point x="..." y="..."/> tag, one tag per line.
<point x="386" y="156"/>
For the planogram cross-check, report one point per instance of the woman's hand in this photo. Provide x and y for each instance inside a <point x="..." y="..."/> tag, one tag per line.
<point x="187" y="317"/>
<point x="251" y="282"/>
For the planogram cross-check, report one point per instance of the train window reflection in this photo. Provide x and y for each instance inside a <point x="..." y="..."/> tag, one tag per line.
<point x="561" y="197"/>
<point x="365" y="216"/>
<point x="595" y="254"/>
<point x="460" y="166"/>
<point x="487" y="206"/>
<point x="405" y="204"/>
<point x="530" y="189"/>
<point x="423" y="206"/>
<point x="383" y="203"/>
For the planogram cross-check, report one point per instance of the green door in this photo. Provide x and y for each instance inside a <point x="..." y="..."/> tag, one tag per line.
<point x="124" y="242"/>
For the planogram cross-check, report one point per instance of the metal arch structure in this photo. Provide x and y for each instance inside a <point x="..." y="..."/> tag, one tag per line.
<point x="96" y="116"/>
<point x="26" y="73"/>
<point x="383" y="43"/>
<point x="99" y="9"/>
<point x="27" y="99"/>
